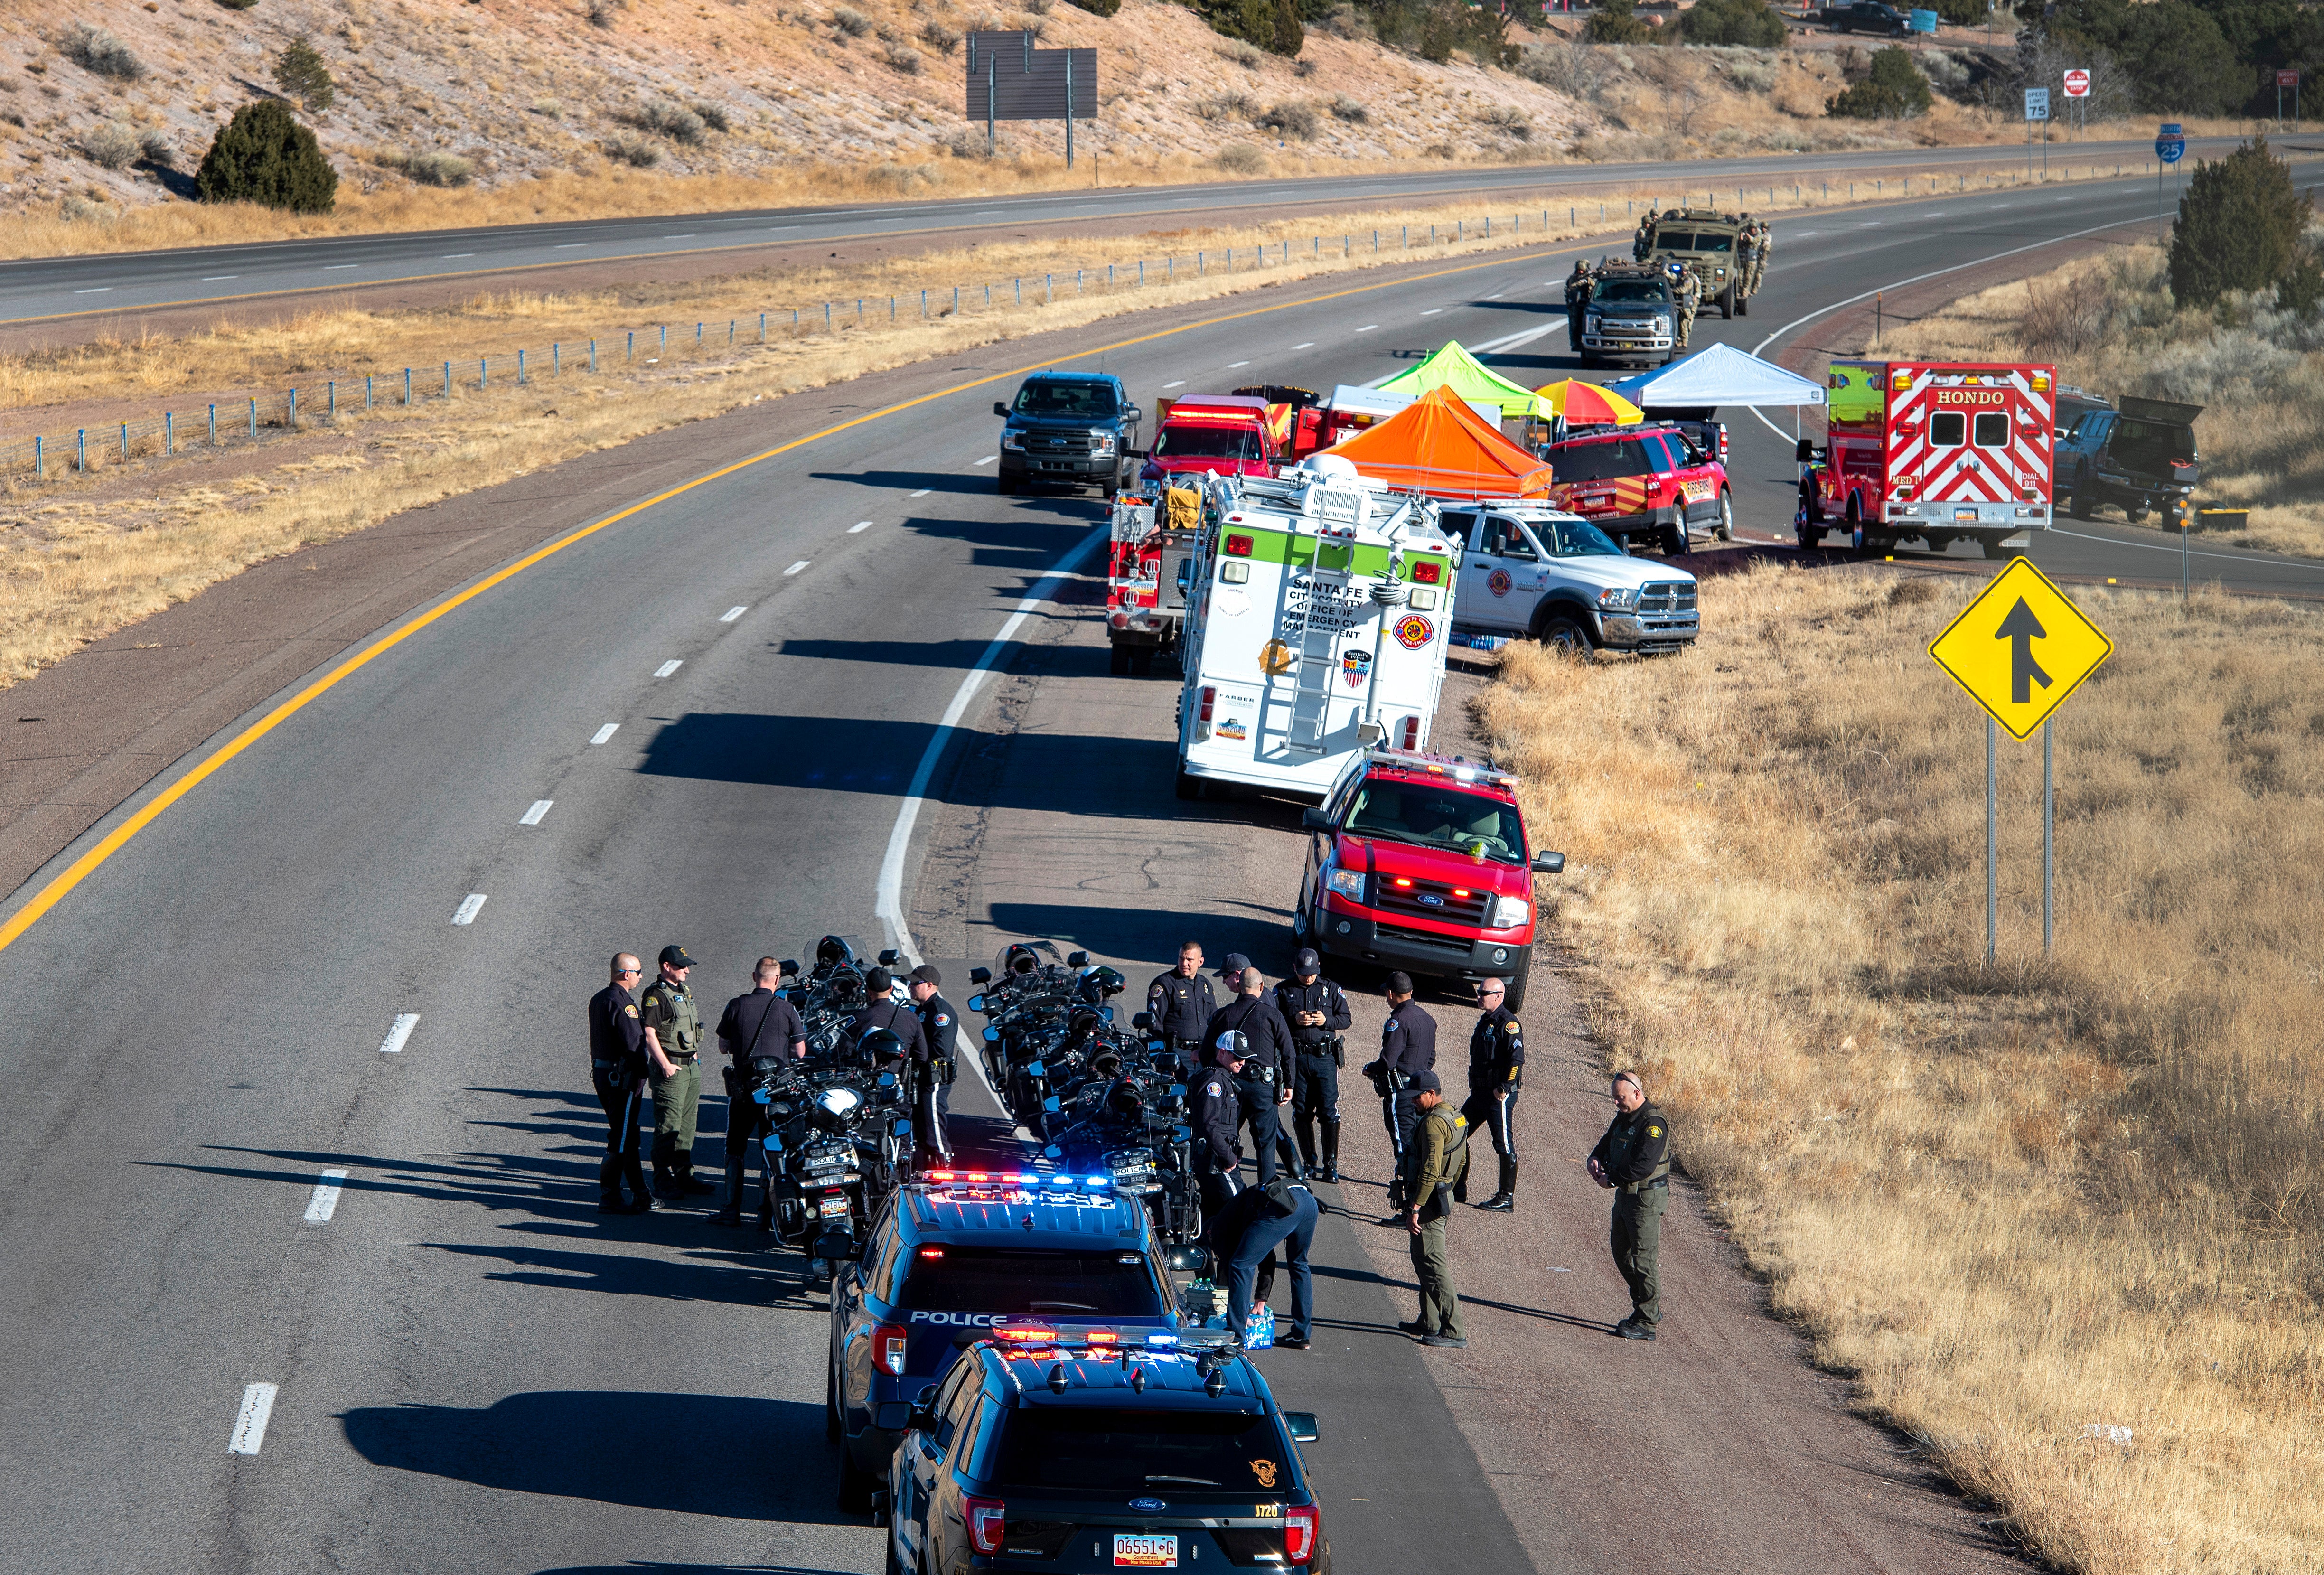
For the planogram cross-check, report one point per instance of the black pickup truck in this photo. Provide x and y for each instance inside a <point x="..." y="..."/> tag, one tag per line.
<point x="2138" y="457"/>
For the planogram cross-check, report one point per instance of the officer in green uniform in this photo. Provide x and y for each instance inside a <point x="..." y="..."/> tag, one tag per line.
<point x="1633" y="1160"/>
<point x="1438" y="1158"/>
<point x="673" y="1042"/>
<point x="1578" y="285"/>
<point x="1686" y="287"/>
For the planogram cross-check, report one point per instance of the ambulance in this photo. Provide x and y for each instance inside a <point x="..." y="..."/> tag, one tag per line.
<point x="1318" y="612"/>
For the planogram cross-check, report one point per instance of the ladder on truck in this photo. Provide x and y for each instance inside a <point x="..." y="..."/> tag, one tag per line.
<point x="1338" y="515"/>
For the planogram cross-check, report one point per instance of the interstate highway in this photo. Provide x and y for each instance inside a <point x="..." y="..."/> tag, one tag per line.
<point x="108" y="288"/>
<point x="473" y="1371"/>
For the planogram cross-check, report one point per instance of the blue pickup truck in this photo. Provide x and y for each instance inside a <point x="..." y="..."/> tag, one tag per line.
<point x="1068" y="429"/>
<point x="2138" y="457"/>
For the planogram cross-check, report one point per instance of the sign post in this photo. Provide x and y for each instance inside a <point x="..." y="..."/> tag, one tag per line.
<point x="2037" y="108"/>
<point x="2077" y="94"/>
<point x="2170" y="147"/>
<point x="2018" y="651"/>
<point x="1009" y="79"/>
<point x="2287" y="79"/>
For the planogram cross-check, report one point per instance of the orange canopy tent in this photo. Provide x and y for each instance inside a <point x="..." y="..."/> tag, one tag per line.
<point x="1437" y="444"/>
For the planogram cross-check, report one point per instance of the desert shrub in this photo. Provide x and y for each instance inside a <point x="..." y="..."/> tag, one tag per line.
<point x="1748" y="23"/>
<point x="1228" y="106"/>
<point x="714" y="114"/>
<point x="548" y="108"/>
<point x="264" y="155"/>
<point x="1303" y="67"/>
<point x="938" y="37"/>
<point x="1243" y="55"/>
<point x="1344" y="21"/>
<point x="1579" y="70"/>
<point x="1752" y="75"/>
<point x="111" y="147"/>
<point x="1615" y="22"/>
<point x="1349" y="109"/>
<point x="1272" y="25"/>
<point x="2067" y="318"/>
<point x="95" y="51"/>
<point x="301" y="73"/>
<point x="2240" y="226"/>
<point x="850" y="21"/>
<point x="637" y="153"/>
<point x="1296" y="118"/>
<point x="901" y="58"/>
<point x="156" y="148"/>
<point x="437" y="169"/>
<point x="1099" y="8"/>
<point x="1893" y="89"/>
<point x="601" y="13"/>
<point x="674" y="121"/>
<point x="237" y="4"/>
<point x="1240" y="159"/>
<point x="1040" y="7"/>
<point x="1508" y="120"/>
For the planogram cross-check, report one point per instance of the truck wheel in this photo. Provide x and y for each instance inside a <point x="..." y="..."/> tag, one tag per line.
<point x="1811" y="537"/>
<point x="1726" y="531"/>
<point x="1006" y="485"/>
<point x="1674" y="538"/>
<point x="831" y="1432"/>
<point x="1515" y="987"/>
<point x="1742" y="306"/>
<point x="1141" y="661"/>
<point x="1565" y="638"/>
<point x="2136" y="515"/>
<point x="1189" y="788"/>
<point x="1118" y="661"/>
<point x="1726" y="300"/>
<point x="1993" y="549"/>
<point x="856" y="1485"/>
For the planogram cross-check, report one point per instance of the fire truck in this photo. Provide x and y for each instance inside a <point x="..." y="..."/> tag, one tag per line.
<point x="1939" y="451"/>
<point x="1146" y="575"/>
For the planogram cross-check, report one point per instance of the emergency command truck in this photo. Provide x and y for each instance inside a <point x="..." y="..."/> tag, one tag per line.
<point x="1935" y="450"/>
<point x="1318" y="614"/>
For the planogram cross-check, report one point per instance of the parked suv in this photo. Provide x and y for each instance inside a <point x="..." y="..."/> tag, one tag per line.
<point x="1070" y="429"/>
<point x="1422" y="863"/>
<point x="1642" y="483"/>
<point x="1527" y="568"/>
<point x="1867" y="16"/>
<point x="1076" y="1456"/>
<point x="963" y="1253"/>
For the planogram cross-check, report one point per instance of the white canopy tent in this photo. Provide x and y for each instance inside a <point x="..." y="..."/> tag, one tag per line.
<point x="1381" y="402"/>
<point x="1718" y="375"/>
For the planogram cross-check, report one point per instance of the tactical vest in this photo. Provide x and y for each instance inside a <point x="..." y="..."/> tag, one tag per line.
<point x="1661" y="1170"/>
<point x="681" y="1031"/>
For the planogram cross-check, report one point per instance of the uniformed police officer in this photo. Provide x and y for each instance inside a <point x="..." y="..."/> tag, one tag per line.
<point x="1264" y="1084"/>
<point x="757" y="1026"/>
<point x="1182" y="1002"/>
<point x="617" y="1065"/>
<point x="1216" y="1109"/>
<point x="940" y="1026"/>
<point x="1318" y="1014"/>
<point x="1437" y="1167"/>
<point x="673" y="1042"/>
<point x="1245" y="1235"/>
<point x="1496" y="1067"/>
<point x="1408" y="1047"/>
<point x="1633" y="1160"/>
<point x="884" y="1012"/>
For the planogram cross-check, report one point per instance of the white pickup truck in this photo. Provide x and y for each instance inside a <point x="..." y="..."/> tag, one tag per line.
<point x="1530" y="569"/>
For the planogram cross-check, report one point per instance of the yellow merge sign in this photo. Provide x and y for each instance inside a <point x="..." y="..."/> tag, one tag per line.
<point x="2020" y="649"/>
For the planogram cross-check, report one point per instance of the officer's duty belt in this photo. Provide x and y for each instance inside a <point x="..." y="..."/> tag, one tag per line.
<point x="1635" y="1188"/>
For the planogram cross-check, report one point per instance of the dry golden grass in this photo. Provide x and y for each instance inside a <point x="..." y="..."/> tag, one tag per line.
<point x="2082" y="1191"/>
<point x="2112" y="327"/>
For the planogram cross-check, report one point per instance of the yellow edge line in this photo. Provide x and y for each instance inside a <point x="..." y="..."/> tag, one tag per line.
<point x="25" y="918"/>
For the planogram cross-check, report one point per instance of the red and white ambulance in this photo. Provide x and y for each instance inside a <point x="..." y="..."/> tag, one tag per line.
<point x="1937" y="451"/>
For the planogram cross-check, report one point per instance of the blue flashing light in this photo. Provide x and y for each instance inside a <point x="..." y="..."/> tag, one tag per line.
<point x="1161" y="1340"/>
<point x="1061" y="1181"/>
<point x="1027" y="1176"/>
<point x="1099" y="1180"/>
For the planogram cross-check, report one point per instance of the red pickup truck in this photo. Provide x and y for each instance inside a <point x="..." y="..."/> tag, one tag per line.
<point x="1421" y="862"/>
<point x="1231" y="434"/>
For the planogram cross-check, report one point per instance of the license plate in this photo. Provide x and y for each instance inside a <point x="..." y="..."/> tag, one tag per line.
<point x="1964" y="513"/>
<point x="1596" y="503"/>
<point x="831" y="1206"/>
<point x="1696" y="490"/>
<point x="1141" y="1552"/>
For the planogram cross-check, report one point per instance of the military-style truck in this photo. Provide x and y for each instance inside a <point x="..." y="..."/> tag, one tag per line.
<point x="1710" y="244"/>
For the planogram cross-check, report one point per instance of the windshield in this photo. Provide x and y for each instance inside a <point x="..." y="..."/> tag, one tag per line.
<point x="1438" y="817"/>
<point x="1575" y="538"/>
<point x="1093" y="401"/>
<point x="1026" y="1282"/>
<point x="1631" y="292"/>
<point x="1146" y="1451"/>
<point x="1206" y="443"/>
<point x="1585" y="462"/>
<point x="1697" y="241"/>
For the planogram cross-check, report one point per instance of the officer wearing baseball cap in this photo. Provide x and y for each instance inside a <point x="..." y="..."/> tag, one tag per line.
<point x="1408" y="1047"/>
<point x="885" y="1012"/>
<point x="1263" y="1084"/>
<point x="1318" y="1014"/>
<point x="673" y="1032"/>
<point x="1217" y="1109"/>
<point x="1437" y="1165"/>
<point x="940" y="1026"/>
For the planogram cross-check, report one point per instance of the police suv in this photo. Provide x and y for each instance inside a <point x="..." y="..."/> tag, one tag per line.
<point x="964" y="1253"/>
<point x="1106" y="1452"/>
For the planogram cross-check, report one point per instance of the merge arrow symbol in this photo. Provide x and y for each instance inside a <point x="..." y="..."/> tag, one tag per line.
<point x="2021" y="629"/>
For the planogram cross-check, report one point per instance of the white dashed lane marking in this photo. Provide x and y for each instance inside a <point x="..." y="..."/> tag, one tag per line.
<point x="924" y="491"/>
<point x="859" y="525"/>
<point x="470" y="904"/>
<point x="988" y="458"/>
<point x="605" y="732"/>
<point x="1180" y="383"/>
<point x="795" y="568"/>
<point x="668" y="668"/>
<point x="250" y="1422"/>
<point x="731" y="613"/>
<point x="399" y="1032"/>
<point x="537" y="814"/>
<point x="326" y="1199"/>
<point x="1309" y="345"/>
<point x="1368" y="327"/>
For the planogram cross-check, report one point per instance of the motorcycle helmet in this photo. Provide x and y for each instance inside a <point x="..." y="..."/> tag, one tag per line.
<point x="834" y="1106"/>
<point x="881" y="1046"/>
<point x="1230" y="1045"/>
<point x="1121" y="1099"/>
<point x="1020" y="960"/>
<point x="1106" y="1063"/>
<point x="1100" y="982"/>
<point x="846" y="992"/>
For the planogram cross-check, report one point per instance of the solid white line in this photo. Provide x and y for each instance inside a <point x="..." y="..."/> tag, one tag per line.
<point x="466" y="914"/>
<point x="1522" y="337"/>
<point x="1431" y="311"/>
<point x="448" y="256"/>
<point x="1803" y="235"/>
<point x="568" y="245"/>
<point x="1232" y="364"/>
<point x="1309" y="345"/>
<point x="859" y="525"/>
<point x="399" y="1033"/>
<point x="687" y="236"/>
<point x="214" y="278"/>
<point x="666" y="669"/>
<point x="537" y="814"/>
<point x="2308" y="563"/>
<point x="250" y="1422"/>
<point x="1368" y="327"/>
<point x="1492" y="297"/>
<point x="605" y="732"/>
<point x="924" y="491"/>
<point x="731" y="613"/>
<point x="1180" y="383"/>
<point x="335" y="267"/>
<point x="100" y="290"/>
<point x="795" y="568"/>
<point x="987" y="459"/>
<point x="889" y="895"/>
<point x="325" y="1201"/>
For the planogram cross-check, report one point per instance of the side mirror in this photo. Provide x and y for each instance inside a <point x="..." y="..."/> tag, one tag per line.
<point x="980" y="976"/>
<point x="1303" y="1426"/>
<point x="888" y="958"/>
<point x="1143" y="1022"/>
<point x="790" y="968"/>
<point x="1315" y="820"/>
<point x="1549" y="863"/>
<point x="1000" y="410"/>
<point x="1187" y="1258"/>
<point x="1134" y="415"/>
<point x="1077" y="959"/>
<point x="1805" y="453"/>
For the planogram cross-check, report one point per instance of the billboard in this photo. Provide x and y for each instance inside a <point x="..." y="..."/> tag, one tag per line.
<point x="1009" y="79"/>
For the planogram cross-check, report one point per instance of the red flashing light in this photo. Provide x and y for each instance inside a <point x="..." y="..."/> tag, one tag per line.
<point x="986" y="1518"/>
<point x="1402" y="880"/>
<point x="1412" y="733"/>
<point x="1101" y="1337"/>
<point x="1301" y="1523"/>
<point x="978" y="1176"/>
<point x="888" y="1348"/>
<point x="1428" y="571"/>
<point x="1027" y="1334"/>
<point x="1239" y="547"/>
<point x="932" y="1252"/>
<point x="942" y="1174"/>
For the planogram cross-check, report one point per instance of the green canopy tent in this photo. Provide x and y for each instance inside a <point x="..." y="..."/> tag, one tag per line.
<point x="1469" y="378"/>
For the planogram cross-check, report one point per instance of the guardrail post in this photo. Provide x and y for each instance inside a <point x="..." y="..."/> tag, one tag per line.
<point x="293" y="422"/>
<point x="520" y="366"/>
<point x="762" y="327"/>
<point x="366" y="391"/>
<point x="483" y="371"/>
<point x="665" y="338"/>
<point x="955" y="300"/>
<point x="331" y="392"/>
<point x="697" y="336"/>
<point x="892" y="311"/>
<point x="593" y="355"/>
<point x="39" y="458"/>
<point x="213" y="426"/>
<point x="125" y="442"/>
<point x="730" y="332"/>
<point x="80" y="448"/>
<point x="168" y="434"/>
<point x="253" y="420"/>
<point x="556" y="359"/>
<point x="1048" y="288"/>
<point x="632" y="354"/>
<point x="448" y="380"/>
<point x="407" y="388"/>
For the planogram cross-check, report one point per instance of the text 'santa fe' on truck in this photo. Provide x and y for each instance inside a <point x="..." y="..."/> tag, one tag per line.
<point x="1146" y="575"/>
<point x="1423" y="863"/>
<point x="1940" y="451"/>
<point x="1316" y="625"/>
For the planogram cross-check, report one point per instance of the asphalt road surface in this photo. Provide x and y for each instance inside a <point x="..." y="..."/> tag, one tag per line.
<point x="470" y="1370"/>
<point x="37" y="290"/>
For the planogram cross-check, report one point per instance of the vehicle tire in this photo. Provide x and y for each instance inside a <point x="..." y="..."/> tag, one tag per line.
<point x="1857" y="542"/>
<point x="1565" y="638"/>
<point x="1006" y="485"/>
<point x="1939" y="545"/>
<point x="1726" y="302"/>
<point x="1300" y="924"/>
<point x="1742" y="306"/>
<point x="1811" y="537"/>
<point x="1189" y="788"/>
<point x="1517" y="980"/>
<point x="1141" y="661"/>
<point x="831" y="1431"/>
<point x="1726" y="530"/>
<point x="856" y="1485"/>
<point x="1118" y="661"/>
<point x="1674" y="538"/>
<point x="1994" y="548"/>
<point x="2136" y="516"/>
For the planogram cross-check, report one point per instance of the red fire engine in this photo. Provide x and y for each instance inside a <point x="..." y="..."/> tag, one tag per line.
<point x="1145" y="584"/>
<point x="1937" y="450"/>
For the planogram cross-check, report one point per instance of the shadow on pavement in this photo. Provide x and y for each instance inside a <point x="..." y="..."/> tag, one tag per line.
<point x="1263" y="935"/>
<point x="585" y="1443"/>
<point x="661" y="1568"/>
<point x="740" y="1277"/>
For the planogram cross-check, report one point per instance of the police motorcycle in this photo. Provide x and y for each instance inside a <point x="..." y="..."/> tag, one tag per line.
<point x="1129" y="1120"/>
<point x="1028" y="1001"/>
